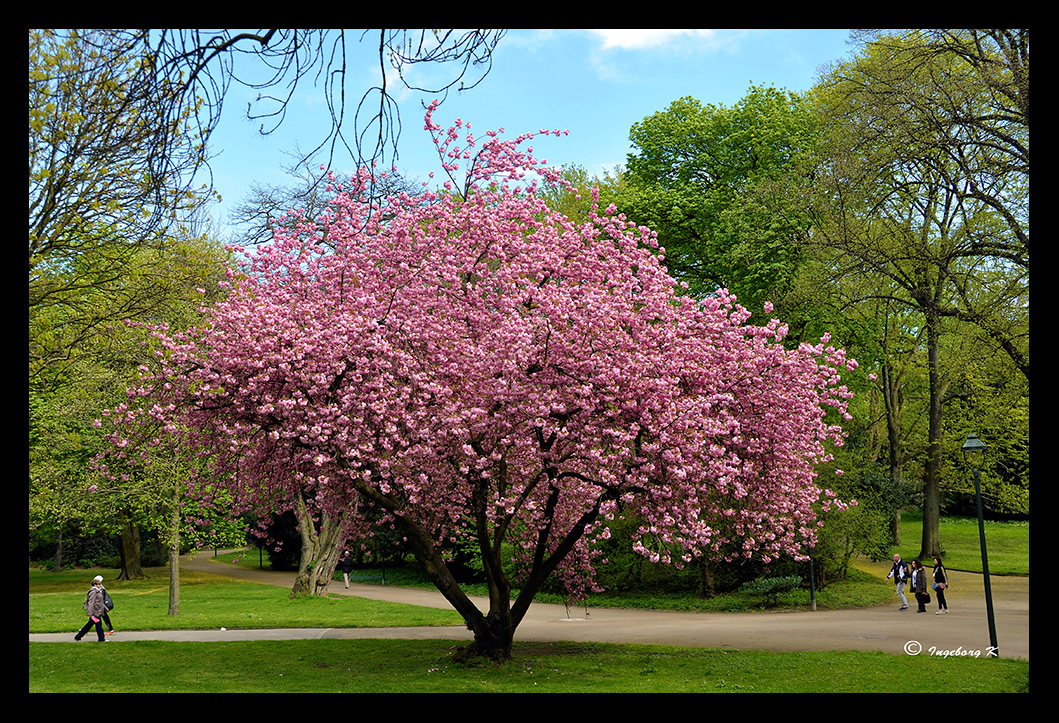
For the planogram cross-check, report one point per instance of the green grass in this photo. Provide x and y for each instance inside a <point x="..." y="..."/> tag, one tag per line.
<point x="1007" y="544"/>
<point x="210" y="601"/>
<point x="424" y="666"/>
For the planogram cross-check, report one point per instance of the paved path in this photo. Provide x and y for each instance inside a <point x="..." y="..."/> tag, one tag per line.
<point x="963" y="631"/>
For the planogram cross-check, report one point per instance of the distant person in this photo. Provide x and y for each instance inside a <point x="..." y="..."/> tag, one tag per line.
<point x="900" y="575"/>
<point x="96" y="610"/>
<point x="108" y="604"/>
<point x="941" y="584"/>
<point x="919" y="585"/>
<point x="347" y="567"/>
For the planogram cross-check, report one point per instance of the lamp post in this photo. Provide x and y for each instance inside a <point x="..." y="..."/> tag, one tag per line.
<point x="974" y="454"/>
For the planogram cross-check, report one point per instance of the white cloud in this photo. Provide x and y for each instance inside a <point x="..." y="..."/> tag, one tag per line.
<point x="639" y="39"/>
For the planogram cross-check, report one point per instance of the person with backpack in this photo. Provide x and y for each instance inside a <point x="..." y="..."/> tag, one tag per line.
<point x="96" y="609"/>
<point x="107" y="603"/>
<point x="899" y="573"/>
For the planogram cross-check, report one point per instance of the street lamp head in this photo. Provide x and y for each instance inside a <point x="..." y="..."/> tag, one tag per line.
<point x="974" y="451"/>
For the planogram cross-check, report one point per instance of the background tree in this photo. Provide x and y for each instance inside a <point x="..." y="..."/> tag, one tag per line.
<point x="892" y="207"/>
<point x="575" y="196"/>
<point x="119" y="124"/>
<point x="890" y="409"/>
<point x="95" y="197"/>
<point x="94" y="373"/>
<point x="268" y="206"/>
<point x="476" y="363"/>
<point x="960" y="100"/>
<point x="710" y="179"/>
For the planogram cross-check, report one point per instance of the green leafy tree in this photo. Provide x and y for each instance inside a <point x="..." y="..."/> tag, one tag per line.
<point x="887" y="210"/>
<point x="991" y="398"/>
<point x="100" y="206"/>
<point x="958" y="101"/>
<point x="713" y="181"/>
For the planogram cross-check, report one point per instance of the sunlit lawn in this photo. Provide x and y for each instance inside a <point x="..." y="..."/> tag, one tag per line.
<point x="402" y="666"/>
<point x="210" y="601"/>
<point x="1007" y="544"/>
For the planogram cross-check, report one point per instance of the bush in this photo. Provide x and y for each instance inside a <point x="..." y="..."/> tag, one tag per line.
<point x="771" y="587"/>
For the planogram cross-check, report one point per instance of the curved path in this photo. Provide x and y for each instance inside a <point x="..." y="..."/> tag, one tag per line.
<point x="963" y="631"/>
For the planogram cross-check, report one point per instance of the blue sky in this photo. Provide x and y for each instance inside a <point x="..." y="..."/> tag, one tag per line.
<point x="593" y="83"/>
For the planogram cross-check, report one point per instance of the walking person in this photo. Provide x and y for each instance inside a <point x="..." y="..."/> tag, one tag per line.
<point x="941" y="584"/>
<point x="899" y="573"/>
<point x="347" y="567"/>
<point x="108" y="604"/>
<point x="96" y="609"/>
<point x="919" y="585"/>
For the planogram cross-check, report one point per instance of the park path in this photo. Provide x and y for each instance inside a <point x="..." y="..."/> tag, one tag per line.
<point x="963" y="631"/>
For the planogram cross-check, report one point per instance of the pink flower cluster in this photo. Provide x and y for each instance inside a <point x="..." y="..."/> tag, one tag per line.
<point x="476" y="364"/>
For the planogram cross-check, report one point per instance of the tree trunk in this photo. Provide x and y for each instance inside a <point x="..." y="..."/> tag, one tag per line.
<point x="174" y="553"/>
<point x="58" y="565"/>
<point x="893" y="401"/>
<point x="131" y="567"/>
<point x="930" y="545"/>
<point x="494" y="635"/>
<point x="707" y="581"/>
<point x="493" y="632"/>
<point x="320" y="551"/>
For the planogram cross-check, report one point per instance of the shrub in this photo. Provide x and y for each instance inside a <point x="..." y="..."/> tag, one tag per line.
<point x="771" y="587"/>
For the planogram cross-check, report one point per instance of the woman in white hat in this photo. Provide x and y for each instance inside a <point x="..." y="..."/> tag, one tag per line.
<point x="107" y="605"/>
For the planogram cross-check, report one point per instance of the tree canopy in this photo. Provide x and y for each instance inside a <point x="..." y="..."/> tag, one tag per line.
<point x="471" y="364"/>
<point x="708" y="179"/>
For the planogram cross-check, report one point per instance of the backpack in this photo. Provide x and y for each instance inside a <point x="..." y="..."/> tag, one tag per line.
<point x="106" y="600"/>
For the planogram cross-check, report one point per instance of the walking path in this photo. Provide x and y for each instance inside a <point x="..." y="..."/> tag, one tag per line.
<point x="963" y="631"/>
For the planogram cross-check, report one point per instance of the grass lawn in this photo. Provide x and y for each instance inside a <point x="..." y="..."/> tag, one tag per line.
<point x="399" y="666"/>
<point x="210" y="601"/>
<point x="1006" y="544"/>
<point x="424" y="666"/>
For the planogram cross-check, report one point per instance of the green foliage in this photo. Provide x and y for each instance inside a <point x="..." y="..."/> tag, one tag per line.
<point x="991" y="399"/>
<point x="111" y="241"/>
<point x="845" y="535"/>
<point x="928" y="250"/>
<point x="770" y="588"/>
<point x="714" y="182"/>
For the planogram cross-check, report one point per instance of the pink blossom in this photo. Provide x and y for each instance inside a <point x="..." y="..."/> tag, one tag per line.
<point x="471" y="364"/>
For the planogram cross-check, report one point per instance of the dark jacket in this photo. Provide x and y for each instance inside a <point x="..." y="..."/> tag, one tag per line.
<point x="919" y="581"/>
<point x="899" y="572"/>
